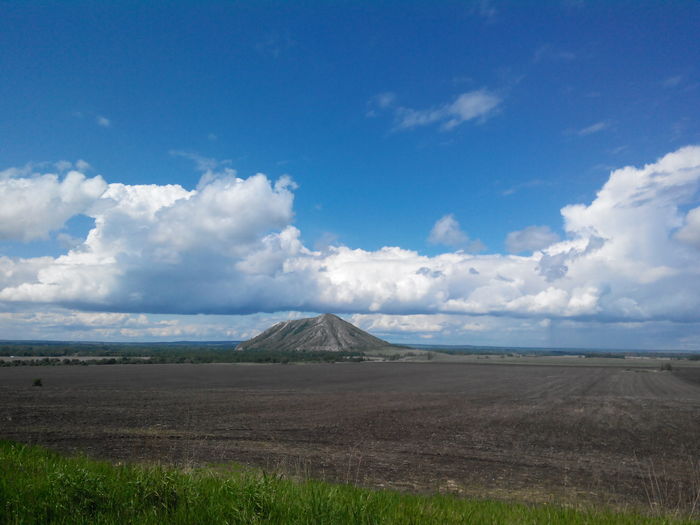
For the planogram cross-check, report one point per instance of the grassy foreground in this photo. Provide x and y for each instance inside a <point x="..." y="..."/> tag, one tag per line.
<point x="40" y="486"/>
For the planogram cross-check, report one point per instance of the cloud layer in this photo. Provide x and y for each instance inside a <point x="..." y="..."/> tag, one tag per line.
<point x="229" y="247"/>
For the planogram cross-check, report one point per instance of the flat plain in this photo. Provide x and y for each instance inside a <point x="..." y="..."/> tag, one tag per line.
<point x="620" y="435"/>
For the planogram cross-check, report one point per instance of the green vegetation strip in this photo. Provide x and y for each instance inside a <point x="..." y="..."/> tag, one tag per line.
<point x="40" y="486"/>
<point x="131" y="355"/>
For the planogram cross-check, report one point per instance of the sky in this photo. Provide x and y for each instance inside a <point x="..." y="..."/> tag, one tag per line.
<point x="479" y="173"/>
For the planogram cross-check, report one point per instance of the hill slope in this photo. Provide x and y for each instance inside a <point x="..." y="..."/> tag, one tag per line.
<point x="327" y="332"/>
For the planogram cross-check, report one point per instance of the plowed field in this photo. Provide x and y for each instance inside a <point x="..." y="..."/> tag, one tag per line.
<point x="613" y="434"/>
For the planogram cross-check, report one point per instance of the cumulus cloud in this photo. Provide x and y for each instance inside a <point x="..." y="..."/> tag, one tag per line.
<point x="164" y="248"/>
<point x="229" y="247"/>
<point x="32" y="206"/>
<point x="690" y="232"/>
<point x="530" y="239"/>
<point x="447" y="231"/>
<point x="473" y="105"/>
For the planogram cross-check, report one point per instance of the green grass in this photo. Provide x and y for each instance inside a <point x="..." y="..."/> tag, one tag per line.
<point x="40" y="486"/>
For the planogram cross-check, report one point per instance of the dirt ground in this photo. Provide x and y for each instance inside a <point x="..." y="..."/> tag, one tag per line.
<point x="622" y="436"/>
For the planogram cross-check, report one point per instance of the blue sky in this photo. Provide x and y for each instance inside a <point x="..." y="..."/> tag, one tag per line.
<point x="401" y="146"/>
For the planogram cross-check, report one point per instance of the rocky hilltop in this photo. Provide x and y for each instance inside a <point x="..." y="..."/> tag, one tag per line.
<point x="326" y="332"/>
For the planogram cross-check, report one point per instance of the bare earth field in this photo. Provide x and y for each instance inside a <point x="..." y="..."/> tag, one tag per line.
<point x="536" y="433"/>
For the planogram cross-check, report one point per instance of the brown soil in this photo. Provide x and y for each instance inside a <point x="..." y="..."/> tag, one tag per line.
<point x="622" y="436"/>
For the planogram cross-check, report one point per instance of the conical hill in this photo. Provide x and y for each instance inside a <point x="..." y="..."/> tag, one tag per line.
<point x="326" y="332"/>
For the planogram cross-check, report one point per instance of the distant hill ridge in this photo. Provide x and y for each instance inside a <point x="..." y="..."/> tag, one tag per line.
<point x="327" y="332"/>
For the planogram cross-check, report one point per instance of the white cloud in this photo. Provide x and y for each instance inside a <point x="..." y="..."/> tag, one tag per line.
<point x="517" y="187"/>
<point x="455" y="329"/>
<point x="82" y="166"/>
<point x="380" y="102"/>
<point x="530" y="239"/>
<point x="163" y="248"/>
<point x="446" y="231"/>
<point x="229" y="247"/>
<point x="381" y="323"/>
<point x="103" y="121"/>
<point x="593" y="128"/>
<point x="473" y="105"/>
<point x="421" y="323"/>
<point x="479" y="104"/>
<point x="325" y="240"/>
<point x="32" y="206"/>
<point x="203" y="164"/>
<point x="64" y="324"/>
<point x="547" y="52"/>
<point x="68" y="241"/>
<point x="672" y="82"/>
<point x="485" y="9"/>
<point x="384" y="100"/>
<point x="690" y="232"/>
